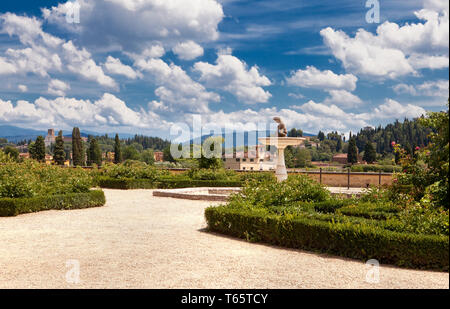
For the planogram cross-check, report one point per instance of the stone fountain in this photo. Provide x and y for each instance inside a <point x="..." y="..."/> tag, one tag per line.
<point x="281" y="141"/>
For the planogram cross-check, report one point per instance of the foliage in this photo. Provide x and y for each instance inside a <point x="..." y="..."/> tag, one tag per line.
<point x="37" y="150"/>
<point x="94" y="153"/>
<point x="117" y="150"/>
<point x="132" y="170"/>
<point x="148" y="156"/>
<point x="352" y="152"/>
<point x="12" y="152"/>
<point x="78" y="153"/>
<point x="59" y="155"/>
<point x="348" y="239"/>
<point x="270" y="193"/>
<point x="15" y="206"/>
<point x="30" y="179"/>
<point x="370" y="154"/>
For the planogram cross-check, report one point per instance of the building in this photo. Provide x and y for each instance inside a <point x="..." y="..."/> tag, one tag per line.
<point x="158" y="156"/>
<point x="342" y="158"/>
<point x="256" y="159"/>
<point x="50" y="138"/>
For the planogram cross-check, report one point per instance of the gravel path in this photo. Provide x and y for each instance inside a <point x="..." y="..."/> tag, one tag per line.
<point x="140" y="241"/>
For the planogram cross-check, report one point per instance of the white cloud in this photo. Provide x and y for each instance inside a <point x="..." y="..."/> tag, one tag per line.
<point x="343" y="99"/>
<point x="438" y="88"/>
<point x="177" y="89"/>
<point x="45" y="53"/>
<point x="395" y="50"/>
<point x="311" y="77"/>
<point x="57" y="87"/>
<point x="392" y="109"/>
<point x="115" y="66"/>
<point x="232" y="75"/>
<point x="361" y="55"/>
<point x="130" y="25"/>
<point x="296" y="95"/>
<point x="22" y="88"/>
<point x="188" y="50"/>
<point x="109" y="111"/>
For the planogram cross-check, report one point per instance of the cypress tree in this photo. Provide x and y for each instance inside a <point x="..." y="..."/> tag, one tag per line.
<point x="39" y="149"/>
<point x="77" y="148"/>
<point x="352" y="154"/>
<point x="117" y="150"/>
<point x="59" y="155"/>
<point x="369" y="153"/>
<point x="94" y="153"/>
<point x="339" y="144"/>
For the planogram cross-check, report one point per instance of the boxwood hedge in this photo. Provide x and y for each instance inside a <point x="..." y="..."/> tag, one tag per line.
<point x="15" y="206"/>
<point x="351" y="240"/>
<point x="128" y="183"/>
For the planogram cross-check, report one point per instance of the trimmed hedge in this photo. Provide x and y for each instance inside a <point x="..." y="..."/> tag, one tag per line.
<point x="344" y="239"/>
<point x="126" y="183"/>
<point x="15" y="206"/>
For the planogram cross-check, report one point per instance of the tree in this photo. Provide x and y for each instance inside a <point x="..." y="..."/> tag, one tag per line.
<point x="117" y="150"/>
<point x="321" y="136"/>
<point x="213" y="157"/>
<point x="339" y="144"/>
<point x="77" y="148"/>
<point x="38" y="149"/>
<point x="370" y="154"/>
<point x="352" y="153"/>
<point x="295" y="133"/>
<point x="130" y="153"/>
<point x="167" y="156"/>
<point x="148" y="156"/>
<point x="59" y="155"/>
<point x="94" y="152"/>
<point x="12" y="152"/>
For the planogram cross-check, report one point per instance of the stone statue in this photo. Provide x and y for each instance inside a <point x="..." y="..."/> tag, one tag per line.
<point x="281" y="131"/>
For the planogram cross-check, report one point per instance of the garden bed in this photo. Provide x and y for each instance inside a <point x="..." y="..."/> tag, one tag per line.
<point x="346" y="239"/>
<point x="129" y="183"/>
<point x="16" y="206"/>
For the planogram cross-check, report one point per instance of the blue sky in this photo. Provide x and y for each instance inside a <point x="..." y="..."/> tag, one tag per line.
<point x="141" y="66"/>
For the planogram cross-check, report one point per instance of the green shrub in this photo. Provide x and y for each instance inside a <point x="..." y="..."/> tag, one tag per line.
<point x="211" y="174"/>
<point x="132" y="170"/>
<point x="30" y="178"/>
<point x="269" y="193"/>
<point x="163" y="183"/>
<point x="370" y="210"/>
<point x="355" y="241"/>
<point x="15" y="206"/>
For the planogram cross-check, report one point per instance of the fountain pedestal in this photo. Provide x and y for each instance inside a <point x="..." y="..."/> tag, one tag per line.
<point x="281" y="143"/>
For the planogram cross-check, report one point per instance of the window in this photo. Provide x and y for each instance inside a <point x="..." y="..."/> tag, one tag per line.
<point x="244" y="160"/>
<point x="251" y="168"/>
<point x="237" y="160"/>
<point x="252" y="160"/>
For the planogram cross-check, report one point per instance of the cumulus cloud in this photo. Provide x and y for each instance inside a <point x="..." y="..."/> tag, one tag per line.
<point x="395" y="110"/>
<point x="130" y="25"/>
<point x="438" y="88"/>
<point x="395" y="50"/>
<point x="177" y="90"/>
<point x="108" y="111"/>
<point x="115" y="66"/>
<point x="343" y="99"/>
<point x="46" y="53"/>
<point x="233" y="75"/>
<point x="311" y="77"/>
<point x="58" y="88"/>
<point x="188" y="50"/>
